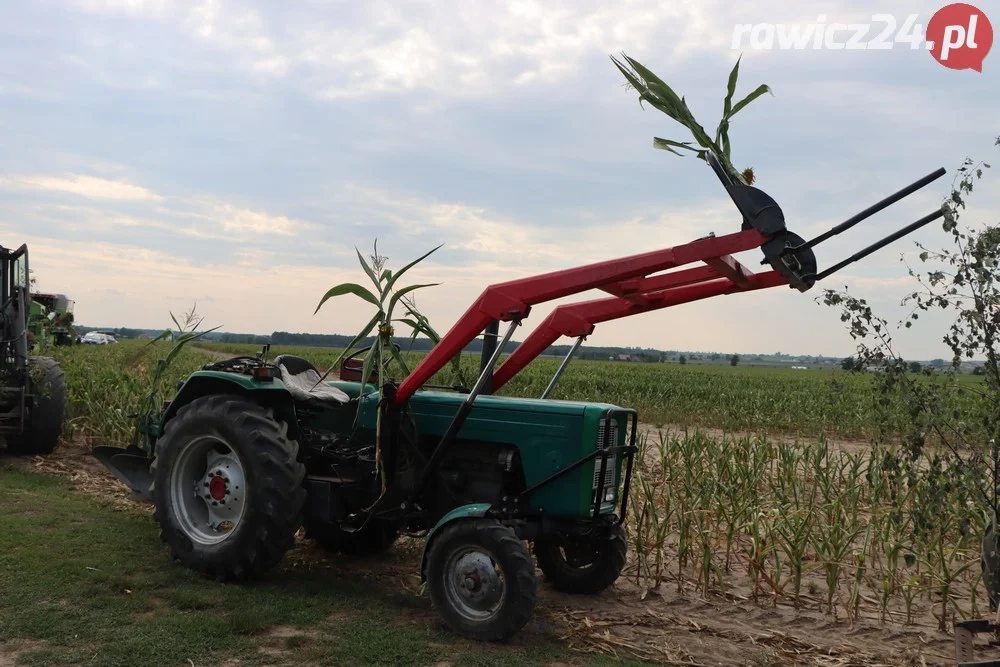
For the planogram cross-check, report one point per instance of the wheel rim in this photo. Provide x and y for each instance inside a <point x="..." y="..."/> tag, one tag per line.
<point x="208" y="490"/>
<point x="474" y="583"/>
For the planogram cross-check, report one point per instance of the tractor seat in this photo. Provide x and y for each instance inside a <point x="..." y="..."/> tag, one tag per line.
<point x="301" y="377"/>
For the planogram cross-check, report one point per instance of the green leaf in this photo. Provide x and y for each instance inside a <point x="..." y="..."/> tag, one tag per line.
<point x="731" y="88"/>
<point x="396" y="276"/>
<point x="401" y="293"/>
<point x="366" y="369"/>
<point x="762" y="89"/>
<point x="419" y="327"/>
<point x="399" y="359"/>
<point x="349" y="288"/>
<point x="669" y="145"/>
<point x="368" y="269"/>
<point x="162" y="336"/>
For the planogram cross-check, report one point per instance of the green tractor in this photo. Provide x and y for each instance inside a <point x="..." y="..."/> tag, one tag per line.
<point x="248" y="449"/>
<point x="32" y="388"/>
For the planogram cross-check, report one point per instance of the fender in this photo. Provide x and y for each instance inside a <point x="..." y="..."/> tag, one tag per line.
<point x="273" y="394"/>
<point x="131" y="465"/>
<point x="472" y="511"/>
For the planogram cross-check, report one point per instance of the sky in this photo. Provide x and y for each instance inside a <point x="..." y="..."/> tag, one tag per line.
<point x="159" y="154"/>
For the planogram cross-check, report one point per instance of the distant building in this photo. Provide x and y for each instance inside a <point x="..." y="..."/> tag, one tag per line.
<point x="624" y="357"/>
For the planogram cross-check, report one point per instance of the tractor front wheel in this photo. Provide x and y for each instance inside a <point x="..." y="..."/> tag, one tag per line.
<point x="582" y="565"/>
<point x="228" y="487"/>
<point x="481" y="579"/>
<point x="43" y="425"/>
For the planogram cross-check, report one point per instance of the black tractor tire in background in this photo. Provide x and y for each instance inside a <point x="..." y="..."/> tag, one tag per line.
<point x="581" y="566"/>
<point x="45" y="419"/>
<point x="274" y="495"/>
<point x="373" y="538"/>
<point x="485" y="540"/>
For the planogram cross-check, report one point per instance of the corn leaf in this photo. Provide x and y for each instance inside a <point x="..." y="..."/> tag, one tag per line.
<point x="374" y="352"/>
<point x="400" y="294"/>
<point x="763" y="88"/>
<point x="368" y="269"/>
<point x="349" y="288"/>
<point x="727" y="106"/>
<point x="669" y="145"/>
<point x="396" y="276"/>
<point x="399" y="359"/>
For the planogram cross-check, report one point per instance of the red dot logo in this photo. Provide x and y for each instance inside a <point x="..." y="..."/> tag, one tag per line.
<point x="960" y="36"/>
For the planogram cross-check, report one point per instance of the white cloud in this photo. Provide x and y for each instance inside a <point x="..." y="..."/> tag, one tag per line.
<point x="90" y="187"/>
<point x="129" y="7"/>
<point x="243" y="220"/>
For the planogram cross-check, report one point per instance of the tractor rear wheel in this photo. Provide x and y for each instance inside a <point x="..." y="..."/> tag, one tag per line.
<point x="371" y="539"/>
<point x="228" y="487"/>
<point x="481" y="579"/>
<point x="44" y="423"/>
<point x="582" y="565"/>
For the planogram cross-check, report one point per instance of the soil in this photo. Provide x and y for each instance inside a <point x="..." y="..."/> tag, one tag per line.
<point x="671" y="625"/>
<point x="12" y="650"/>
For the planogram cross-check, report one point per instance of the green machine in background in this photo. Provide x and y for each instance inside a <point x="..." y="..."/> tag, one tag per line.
<point x="50" y="320"/>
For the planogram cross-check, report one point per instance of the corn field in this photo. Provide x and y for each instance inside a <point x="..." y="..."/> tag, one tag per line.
<point x="105" y="385"/>
<point x="738" y="399"/>
<point x="872" y="533"/>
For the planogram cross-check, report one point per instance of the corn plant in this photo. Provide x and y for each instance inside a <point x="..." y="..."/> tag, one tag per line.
<point x="660" y="96"/>
<point x="384" y="297"/>
<point x="186" y="333"/>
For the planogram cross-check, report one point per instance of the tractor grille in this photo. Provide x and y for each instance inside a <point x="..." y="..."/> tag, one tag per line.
<point x="609" y="472"/>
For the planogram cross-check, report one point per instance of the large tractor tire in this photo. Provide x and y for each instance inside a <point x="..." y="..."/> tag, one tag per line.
<point x="481" y="579"/>
<point x="45" y="419"/>
<point x="373" y="538"/>
<point x="579" y="565"/>
<point x="228" y="487"/>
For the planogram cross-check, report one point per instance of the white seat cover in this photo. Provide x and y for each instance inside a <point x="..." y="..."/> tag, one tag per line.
<point x="303" y="387"/>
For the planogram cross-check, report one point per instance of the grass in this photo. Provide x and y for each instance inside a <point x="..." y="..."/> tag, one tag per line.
<point x="85" y="584"/>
